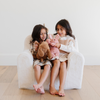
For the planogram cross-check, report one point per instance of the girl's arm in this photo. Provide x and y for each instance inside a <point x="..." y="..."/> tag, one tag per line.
<point x="35" y="48"/>
<point x="68" y="48"/>
<point x="35" y="45"/>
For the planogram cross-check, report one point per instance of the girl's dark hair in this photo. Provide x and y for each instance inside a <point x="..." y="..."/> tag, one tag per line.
<point x="36" y="33"/>
<point x="64" y="23"/>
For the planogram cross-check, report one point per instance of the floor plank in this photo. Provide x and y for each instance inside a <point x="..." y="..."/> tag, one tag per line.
<point x="73" y="94"/>
<point x="8" y="75"/>
<point x="3" y="69"/>
<point x="10" y="97"/>
<point x="30" y="95"/>
<point x="15" y="79"/>
<point x="93" y="79"/>
<point x="95" y="69"/>
<point x="3" y="87"/>
<point x="48" y="96"/>
<point x="87" y="92"/>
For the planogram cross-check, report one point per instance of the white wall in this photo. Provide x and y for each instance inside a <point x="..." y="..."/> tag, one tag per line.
<point x="18" y="17"/>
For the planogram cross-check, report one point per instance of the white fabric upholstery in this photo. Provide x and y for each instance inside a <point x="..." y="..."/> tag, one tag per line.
<point x="26" y="77"/>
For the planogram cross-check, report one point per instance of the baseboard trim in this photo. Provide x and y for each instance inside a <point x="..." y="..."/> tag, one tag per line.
<point x="8" y="59"/>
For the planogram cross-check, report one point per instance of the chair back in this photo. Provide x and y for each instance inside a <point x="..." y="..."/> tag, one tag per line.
<point x="27" y="45"/>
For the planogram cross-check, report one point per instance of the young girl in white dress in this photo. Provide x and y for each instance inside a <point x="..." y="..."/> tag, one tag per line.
<point x="66" y="45"/>
<point x="39" y="35"/>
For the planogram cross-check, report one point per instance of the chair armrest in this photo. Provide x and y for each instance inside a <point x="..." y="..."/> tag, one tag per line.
<point x="25" y="57"/>
<point x="75" y="69"/>
<point x="25" y="67"/>
<point x="76" y="58"/>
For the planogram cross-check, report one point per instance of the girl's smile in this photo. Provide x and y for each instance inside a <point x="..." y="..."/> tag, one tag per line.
<point x="61" y="31"/>
<point x="43" y="34"/>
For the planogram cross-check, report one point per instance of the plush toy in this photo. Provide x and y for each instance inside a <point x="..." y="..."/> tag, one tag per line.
<point x="43" y="51"/>
<point x="33" y="51"/>
<point x="52" y="41"/>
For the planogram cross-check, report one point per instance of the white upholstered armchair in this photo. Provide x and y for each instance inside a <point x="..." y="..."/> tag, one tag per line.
<point x="26" y="77"/>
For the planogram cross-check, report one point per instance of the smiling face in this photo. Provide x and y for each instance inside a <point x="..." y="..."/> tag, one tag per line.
<point x="43" y="34"/>
<point x="61" y="30"/>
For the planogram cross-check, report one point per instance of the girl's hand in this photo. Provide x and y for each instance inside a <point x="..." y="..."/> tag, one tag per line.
<point x="36" y="45"/>
<point x="57" y="45"/>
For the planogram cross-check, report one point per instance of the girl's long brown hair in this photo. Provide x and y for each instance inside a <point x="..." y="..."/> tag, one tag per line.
<point x="64" y="23"/>
<point x="36" y="33"/>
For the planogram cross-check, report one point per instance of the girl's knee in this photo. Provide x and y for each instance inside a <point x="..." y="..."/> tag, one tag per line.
<point x="36" y="67"/>
<point x="63" y="65"/>
<point x="47" y="67"/>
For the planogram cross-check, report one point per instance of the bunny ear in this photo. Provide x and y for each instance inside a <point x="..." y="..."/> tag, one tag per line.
<point x="57" y="36"/>
<point x="50" y="36"/>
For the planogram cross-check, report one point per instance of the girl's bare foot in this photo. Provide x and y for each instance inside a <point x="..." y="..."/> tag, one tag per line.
<point x="41" y="90"/>
<point x="36" y="87"/>
<point x="61" y="92"/>
<point x="53" y="91"/>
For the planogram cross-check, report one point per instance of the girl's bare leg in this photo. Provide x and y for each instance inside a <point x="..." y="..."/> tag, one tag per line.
<point x="54" y="73"/>
<point x="62" y="77"/>
<point x="37" y="70"/>
<point x="43" y="77"/>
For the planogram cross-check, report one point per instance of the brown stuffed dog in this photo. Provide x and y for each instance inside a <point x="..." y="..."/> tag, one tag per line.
<point x="43" y="52"/>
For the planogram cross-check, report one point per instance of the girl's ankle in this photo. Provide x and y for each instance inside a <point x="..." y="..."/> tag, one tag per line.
<point x="61" y="87"/>
<point x="51" y="86"/>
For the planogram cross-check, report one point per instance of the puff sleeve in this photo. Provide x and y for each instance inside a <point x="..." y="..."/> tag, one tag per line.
<point x="68" y="48"/>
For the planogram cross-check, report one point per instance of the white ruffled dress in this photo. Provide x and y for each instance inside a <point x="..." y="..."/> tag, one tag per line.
<point x="66" y="48"/>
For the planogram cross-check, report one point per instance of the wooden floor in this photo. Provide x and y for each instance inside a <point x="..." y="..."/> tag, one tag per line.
<point x="9" y="86"/>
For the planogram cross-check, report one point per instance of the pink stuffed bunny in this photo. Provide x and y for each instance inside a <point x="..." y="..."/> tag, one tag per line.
<point x="52" y="41"/>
